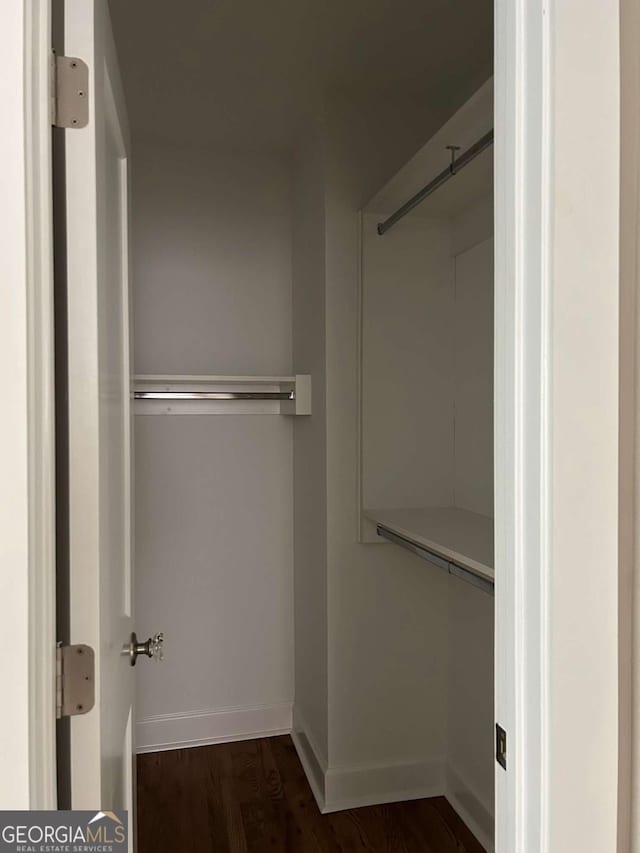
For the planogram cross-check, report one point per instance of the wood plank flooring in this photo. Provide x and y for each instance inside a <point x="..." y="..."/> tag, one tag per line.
<point x="252" y="796"/>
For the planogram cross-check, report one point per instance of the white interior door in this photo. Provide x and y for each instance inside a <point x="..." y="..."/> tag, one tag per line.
<point x="97" y="163"/>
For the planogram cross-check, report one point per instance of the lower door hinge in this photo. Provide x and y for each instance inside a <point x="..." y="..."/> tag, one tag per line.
<point x="69" y="92"/>
<point x="75" y="680"/>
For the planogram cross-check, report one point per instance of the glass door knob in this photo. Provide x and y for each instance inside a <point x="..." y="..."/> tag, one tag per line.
<point x="152" y="648"/>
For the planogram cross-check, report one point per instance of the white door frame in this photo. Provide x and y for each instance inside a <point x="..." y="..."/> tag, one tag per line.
<point x="27" y="452"/>
<point x="557" y="298"/>
<point x="556" y="348"/>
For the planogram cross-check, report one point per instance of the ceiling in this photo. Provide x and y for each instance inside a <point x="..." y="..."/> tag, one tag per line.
<point x="249" y="74"/>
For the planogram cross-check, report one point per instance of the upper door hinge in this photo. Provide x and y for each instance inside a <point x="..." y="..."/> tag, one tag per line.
<point x="75" y="680"/>
<point x="69" y="91"/>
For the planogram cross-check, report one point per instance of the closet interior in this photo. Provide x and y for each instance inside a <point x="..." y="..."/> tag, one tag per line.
<point x="426" y="414"/>
<point x="313" y="388"/>
<point x="427" y="351"/>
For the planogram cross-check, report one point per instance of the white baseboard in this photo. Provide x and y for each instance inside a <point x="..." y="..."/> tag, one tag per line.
<point x="314" y="762"/>
<point x="373" y="784"/>
<point x="312" y="769"/>
<point x="199" y="728"/>
<point x="339" y="788"/>
<point x="470" y="808"/>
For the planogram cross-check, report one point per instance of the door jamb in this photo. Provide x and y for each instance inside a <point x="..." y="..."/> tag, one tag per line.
<point x="41" y="405"/>
<point x="521" y="458"/>
<point x="556" y="452"/>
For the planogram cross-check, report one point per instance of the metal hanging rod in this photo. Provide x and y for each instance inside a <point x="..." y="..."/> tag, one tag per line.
<point x="214" y="395"/>
<point x="456" y="165"/>
<point x="448" y="566"/>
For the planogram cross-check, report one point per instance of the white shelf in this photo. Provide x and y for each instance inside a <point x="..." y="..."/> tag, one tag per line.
<point x="456" y="535"/>
<point x="158" y="384"/>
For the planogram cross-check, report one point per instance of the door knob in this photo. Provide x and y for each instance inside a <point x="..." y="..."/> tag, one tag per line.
<point x="152" y="648"/>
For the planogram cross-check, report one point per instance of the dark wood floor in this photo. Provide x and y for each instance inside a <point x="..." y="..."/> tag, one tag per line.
<point x="254" y="796"/>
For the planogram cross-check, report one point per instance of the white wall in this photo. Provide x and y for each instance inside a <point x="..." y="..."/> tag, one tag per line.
<point x="470" y="646"/>
<point x="214" y="545"/>
<point x="382" y="618"/>
<point x="212" y="262"/>
<point x="407" y="364"/>
<point x="470" y="713"/>
<point x="473" y="395"/>
<point x="310" y="489"/>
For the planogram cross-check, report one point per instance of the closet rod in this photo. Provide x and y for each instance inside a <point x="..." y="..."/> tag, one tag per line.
<point x="214" y="395"/>
<point x="436" y="560"/>
<point x="456" y="165"/>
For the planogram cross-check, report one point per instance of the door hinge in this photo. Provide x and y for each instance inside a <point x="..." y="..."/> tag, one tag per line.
<point x="75" y="680"/>
<point x="501" y="746"/>
<point x="69" y="92"/>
